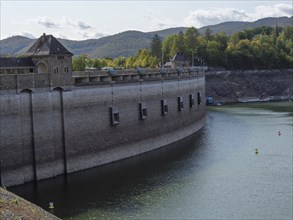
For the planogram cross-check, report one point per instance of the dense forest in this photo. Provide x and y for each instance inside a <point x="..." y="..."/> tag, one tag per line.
<point x="258" y="48"/>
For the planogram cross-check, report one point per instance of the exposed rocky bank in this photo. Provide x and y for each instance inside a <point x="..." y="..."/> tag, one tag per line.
<point x="248" y="86"/>
<point x="13" y="207"/>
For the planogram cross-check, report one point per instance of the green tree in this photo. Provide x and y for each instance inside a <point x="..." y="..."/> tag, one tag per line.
<point x="153" y="62"/>
<point x="144" y="59"/>
<point x="111" y="63"/>
<point x="208" y="34"/>
<point x="156" y="46"/>
<point x="178" y="44"/>
<point x="174" y="44"/>
<point x="129" y="63"/>
<point x="191" y="44"/>
<point x="222" y="38"/>
<point x="245" y="58"/>
<point x="79" y="63"/>
<point x="104" y="62"/>
<point x="215" y="53"/>
<point x="201" y="52"/>
<point x="264" y="52"/>
<point x="167" y="47"/>
<point x="88" y="62"/>
<point x="97" y="63"/>
<point x="120" y="62"/>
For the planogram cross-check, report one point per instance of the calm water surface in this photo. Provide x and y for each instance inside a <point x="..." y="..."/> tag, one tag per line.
<point x="213" y="175"/>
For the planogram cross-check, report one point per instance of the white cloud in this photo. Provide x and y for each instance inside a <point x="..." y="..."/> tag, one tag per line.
<point x="276" y="10"/>
<point x="47" y="22"/>
<point x="64" y="22"/>
<point x="199" y="18"/>
<point x="74" y="29"/>
<point x="62" y="36"/>
<point x="157" y="22"/>
<point x="26" y="34"/>
<point x="83" y="26"/>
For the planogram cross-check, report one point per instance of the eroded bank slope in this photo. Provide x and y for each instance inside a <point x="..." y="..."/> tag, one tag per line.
<point x="247" y="86"/>
<point x="15" y="207"/>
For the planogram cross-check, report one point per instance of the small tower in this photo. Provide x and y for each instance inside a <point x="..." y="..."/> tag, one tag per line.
<point x="52" y="58"/>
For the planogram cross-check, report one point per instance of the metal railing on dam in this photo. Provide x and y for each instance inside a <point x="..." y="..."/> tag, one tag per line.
<point x="91" y="77"/>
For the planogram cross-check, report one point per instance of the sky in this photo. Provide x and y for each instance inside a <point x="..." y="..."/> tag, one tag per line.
<point x="80" y="20"/>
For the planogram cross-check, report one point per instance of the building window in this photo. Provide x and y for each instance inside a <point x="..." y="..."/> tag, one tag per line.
<point x="31" y="70"/>
<point x="191" y="101"/>
<point x="60" y="57"/>
<point x="20" y="71"/>
<point x="143" y="110"/>
<point x="56" y="70"/>
<point x="9" y="71"/>
<point x="164" y="106"/>
<point x="66" y="69"/>
<point x="198" y="98"/>
<point x="42" y="68"/>
<point x="114" y="115"/>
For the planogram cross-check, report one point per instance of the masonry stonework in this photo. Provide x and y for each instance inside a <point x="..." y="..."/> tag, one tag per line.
<point x="45" y="133"/>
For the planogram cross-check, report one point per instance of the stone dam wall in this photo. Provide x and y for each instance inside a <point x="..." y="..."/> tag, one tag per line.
<point x="51" y="127"/>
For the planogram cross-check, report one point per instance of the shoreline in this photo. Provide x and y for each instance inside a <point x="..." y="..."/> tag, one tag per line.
<point x="15" y="207"/>
<point x="248" y="102"/>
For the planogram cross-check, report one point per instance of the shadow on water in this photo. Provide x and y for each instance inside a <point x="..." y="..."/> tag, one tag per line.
<point x="112" y="187"/>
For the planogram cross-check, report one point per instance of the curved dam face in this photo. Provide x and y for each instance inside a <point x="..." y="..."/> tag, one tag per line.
<point x="48" y="131"/>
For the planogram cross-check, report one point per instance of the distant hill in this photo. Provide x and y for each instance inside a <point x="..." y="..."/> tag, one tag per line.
<point x="13" y="45"/>
<point x="236" y="26"/>
<point x="123" y="44"/>
<point x="129" y="42"/>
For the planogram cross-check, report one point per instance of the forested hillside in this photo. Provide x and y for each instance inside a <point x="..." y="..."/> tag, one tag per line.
<point x="128" y="43"/>
<point x="257" y="48"/>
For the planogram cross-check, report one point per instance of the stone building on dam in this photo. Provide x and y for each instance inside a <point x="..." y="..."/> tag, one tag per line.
<point x="55" y="121"/>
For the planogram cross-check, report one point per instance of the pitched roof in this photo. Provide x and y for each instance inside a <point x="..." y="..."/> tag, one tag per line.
<point x="179" y="57"/>
<point x="47" y="45"/>
<point x="16" y="62"/>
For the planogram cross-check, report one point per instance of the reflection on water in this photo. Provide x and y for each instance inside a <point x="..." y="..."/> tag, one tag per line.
<point x="214" y="174"/>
